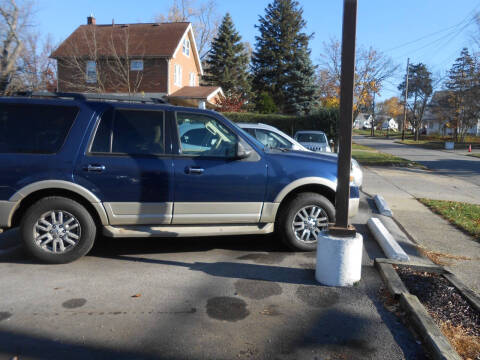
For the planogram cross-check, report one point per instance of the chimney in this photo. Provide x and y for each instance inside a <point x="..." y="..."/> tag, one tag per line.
<point x="91" y="20"/>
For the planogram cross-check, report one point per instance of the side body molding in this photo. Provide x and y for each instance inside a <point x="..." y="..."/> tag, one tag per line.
<point x="66" y="185"/>
<point x="269" y="212"/>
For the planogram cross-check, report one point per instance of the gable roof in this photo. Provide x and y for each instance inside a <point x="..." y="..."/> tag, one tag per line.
<point x="144" y="39"/>
<point x="197" y="92"/>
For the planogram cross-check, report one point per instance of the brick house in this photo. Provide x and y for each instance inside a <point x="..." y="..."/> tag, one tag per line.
<point x="155" y="59"/>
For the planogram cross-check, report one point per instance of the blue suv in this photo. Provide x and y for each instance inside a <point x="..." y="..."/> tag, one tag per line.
<point x="72" y="166"/>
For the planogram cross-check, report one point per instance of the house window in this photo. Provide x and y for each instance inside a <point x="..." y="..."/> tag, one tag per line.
<point x="192" y="79"/>
<point x="91" y="72"/>
<point x="186" y="47"/>
<point x="136" y="65"/>
<point x="177" y="76"/>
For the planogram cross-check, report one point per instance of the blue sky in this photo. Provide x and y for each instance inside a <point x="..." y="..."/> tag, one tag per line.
<point x="380" y="24"/>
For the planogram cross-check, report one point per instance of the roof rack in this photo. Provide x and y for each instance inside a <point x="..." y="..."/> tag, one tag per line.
<point x="92" y="97"/>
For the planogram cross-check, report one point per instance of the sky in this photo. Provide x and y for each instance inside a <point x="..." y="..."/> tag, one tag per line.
<point x="428" y="31"/>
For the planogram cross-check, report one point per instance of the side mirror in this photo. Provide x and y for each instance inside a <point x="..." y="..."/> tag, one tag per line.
<point x="242" y="151"/>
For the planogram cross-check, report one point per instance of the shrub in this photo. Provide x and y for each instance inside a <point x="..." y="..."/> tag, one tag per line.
<point x="324" y="120"/>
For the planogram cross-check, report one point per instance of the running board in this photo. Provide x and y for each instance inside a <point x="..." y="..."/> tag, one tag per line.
<point x="185" y="230"/>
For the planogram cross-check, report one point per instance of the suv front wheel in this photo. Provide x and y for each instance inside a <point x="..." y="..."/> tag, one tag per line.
<point x="303" y="219"/>
<point x="57" y="230"/>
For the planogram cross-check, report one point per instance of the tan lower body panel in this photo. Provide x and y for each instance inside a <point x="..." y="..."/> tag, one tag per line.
<point x="217" y="212"/>
<point x="186" y="231"/>
<point x="135" y="213"/>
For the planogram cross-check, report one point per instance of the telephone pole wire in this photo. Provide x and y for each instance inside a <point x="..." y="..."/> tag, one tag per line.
<point x="405" y="103"/>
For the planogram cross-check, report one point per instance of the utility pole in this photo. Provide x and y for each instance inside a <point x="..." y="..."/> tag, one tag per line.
<point x="373" y="115"/>
<point x="347" y="82"/>
<point x="405" y="104"/>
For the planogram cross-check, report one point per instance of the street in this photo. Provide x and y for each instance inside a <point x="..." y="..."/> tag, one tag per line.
<point x="208" y="298"/>
<point x="445" y="163"/>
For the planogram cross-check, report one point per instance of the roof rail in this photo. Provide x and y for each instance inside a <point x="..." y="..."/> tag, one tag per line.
<point x="92" y="97"/>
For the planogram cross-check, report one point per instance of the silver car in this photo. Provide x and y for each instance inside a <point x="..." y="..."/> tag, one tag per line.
<point x="313" y="140"/>
<point x="272" y="137"/>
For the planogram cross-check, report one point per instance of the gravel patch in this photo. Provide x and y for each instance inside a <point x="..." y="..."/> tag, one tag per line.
<point x="442" y="300"/>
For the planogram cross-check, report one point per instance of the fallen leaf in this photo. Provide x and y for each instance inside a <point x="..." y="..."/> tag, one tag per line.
<point x="136" y="295"/>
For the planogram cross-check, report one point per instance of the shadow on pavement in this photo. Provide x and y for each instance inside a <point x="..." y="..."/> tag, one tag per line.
<point x="34" y="347"/>
<point x="233" y="270"/>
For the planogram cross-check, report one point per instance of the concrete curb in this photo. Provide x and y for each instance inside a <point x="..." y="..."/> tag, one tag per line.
<point x="386" y="241"/>
<point x="428" y="330"/>
<point x="382" y="206"/>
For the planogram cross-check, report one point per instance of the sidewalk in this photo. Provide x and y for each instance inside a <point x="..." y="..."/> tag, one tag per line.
<point x="400" y="187"/>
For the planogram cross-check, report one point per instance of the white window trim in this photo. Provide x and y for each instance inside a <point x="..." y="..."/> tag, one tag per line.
<point x="90" y="79"/>
<point x="140" y="68"/>
<point x="192" y="79"/>
<point x="186" y="47"/>
<point x="177" y="75"/>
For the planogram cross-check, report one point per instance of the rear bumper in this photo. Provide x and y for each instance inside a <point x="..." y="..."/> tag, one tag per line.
<point x="6" y="211"/>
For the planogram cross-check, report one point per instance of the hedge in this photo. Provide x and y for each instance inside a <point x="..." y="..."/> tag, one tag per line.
<point x="324" y="120"/>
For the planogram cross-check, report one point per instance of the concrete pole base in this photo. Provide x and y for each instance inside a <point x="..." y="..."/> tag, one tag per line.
<point x="339" y="260"/>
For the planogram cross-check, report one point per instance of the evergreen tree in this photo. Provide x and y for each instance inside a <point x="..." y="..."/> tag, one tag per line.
<point x="281" y="65"/>
<point x="462" y="99"/>
<point x="227" y="62"/>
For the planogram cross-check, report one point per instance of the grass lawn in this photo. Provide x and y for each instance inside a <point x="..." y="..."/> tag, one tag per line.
<point x="463" y="215"/>
<point x="438" y="142"/>
<point x="474" y="155"/>
<point x="366" y="155"/>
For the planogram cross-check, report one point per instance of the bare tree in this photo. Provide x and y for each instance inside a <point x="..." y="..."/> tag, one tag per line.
<point x="372" y="68"/>
<point x="14" y="21"/>
<point x="102" y="63"/>
<point x="80" y="52"/>
<point x="35" y="69"/>
<point x="204" y="18"/>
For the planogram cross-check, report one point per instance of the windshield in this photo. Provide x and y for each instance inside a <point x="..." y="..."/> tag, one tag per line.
<point x="311" y="137"/>
<point x="272" y="140"/>
<point x="252" y="138"/>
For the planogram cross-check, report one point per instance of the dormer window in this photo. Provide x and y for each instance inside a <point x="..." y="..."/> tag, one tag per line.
<point x="186" y="47"/>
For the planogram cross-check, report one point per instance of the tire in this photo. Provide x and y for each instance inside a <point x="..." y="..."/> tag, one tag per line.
<point x="291" y="212"/>
<point x="69" y="236"/>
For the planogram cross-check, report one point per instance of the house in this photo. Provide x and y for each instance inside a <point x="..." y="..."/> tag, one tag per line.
<point x="436" y="124"/>
<point x="363" y="121"/>
<point x="385" y="122"/>
<point x="152" y="59"/>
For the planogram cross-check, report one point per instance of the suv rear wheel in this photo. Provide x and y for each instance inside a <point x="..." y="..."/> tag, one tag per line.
<point x="57" y="230"/>
<point x="302" y="219"/>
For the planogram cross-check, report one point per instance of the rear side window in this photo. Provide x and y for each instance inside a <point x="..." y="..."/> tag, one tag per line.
<point x="132" y="132"/>
<point x="34" y="129"/>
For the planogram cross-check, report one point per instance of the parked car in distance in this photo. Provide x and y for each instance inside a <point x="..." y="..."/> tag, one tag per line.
<point x="275" y="138"/>
<point x="76" y="165"/>
<point x="271" y="136"/>
<point x="313" y="140"/>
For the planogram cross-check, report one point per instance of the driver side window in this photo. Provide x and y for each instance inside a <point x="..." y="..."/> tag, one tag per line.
<point x="202" y="135"/>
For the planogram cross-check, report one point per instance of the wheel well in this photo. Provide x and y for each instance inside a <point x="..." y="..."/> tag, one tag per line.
<point x="32" y="198"/>
<point x="315" y="188"/>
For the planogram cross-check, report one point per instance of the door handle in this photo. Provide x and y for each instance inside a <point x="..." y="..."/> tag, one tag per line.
<point x="96" y="168"/>
<point x="194" y="170"/>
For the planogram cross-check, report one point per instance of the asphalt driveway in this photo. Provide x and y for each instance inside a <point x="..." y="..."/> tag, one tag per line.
<point x="214" y="298"/>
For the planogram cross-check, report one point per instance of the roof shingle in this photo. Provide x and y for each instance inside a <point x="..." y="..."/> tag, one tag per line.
<point x="144" y="40"/>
